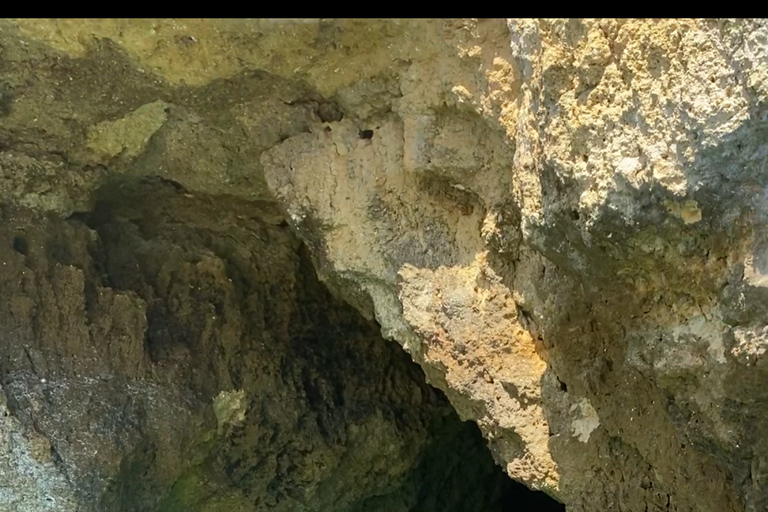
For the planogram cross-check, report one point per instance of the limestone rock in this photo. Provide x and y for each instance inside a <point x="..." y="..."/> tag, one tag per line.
<point x="556" y="220"/>
<point x="562" y="221"/>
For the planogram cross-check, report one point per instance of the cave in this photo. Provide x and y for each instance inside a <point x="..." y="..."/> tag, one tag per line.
<point x="354" y="265"/>
<point x="157" y="304"/>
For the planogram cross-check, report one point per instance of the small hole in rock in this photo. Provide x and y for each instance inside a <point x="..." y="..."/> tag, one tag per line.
<point x="329" y="113"/>
<point x="20" y="245"/>
<point x="6" y="102"/>
<point x="366" y="134"/>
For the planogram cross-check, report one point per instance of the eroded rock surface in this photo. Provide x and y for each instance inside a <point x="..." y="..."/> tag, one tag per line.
<point x="166" y="352"/>
<point x="562" y="221"/>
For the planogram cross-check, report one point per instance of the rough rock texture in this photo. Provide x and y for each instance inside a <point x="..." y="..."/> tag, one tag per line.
<point x="165" y="352"/>
<point x="562" y="221"/>
<point x="566" y="191"/>
<point x="165" y="342"/>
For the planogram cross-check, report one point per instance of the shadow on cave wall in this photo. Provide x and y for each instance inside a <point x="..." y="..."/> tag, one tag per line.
<point x="153" y="303"/>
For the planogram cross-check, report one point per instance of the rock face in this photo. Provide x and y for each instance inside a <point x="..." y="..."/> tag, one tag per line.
<point x="563" y="222"/>
<point x="165" y="352"/>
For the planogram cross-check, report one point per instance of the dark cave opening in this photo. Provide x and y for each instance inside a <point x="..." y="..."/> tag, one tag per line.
<point x="519" y="498"/>
<point x="468" y="446"/>
<point x="507" y="494"/>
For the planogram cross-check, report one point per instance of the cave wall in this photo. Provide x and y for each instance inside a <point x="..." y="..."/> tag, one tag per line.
<point x="166" y="343"/>
<point x="561" y="221"/>
<point x="167" y="352"/>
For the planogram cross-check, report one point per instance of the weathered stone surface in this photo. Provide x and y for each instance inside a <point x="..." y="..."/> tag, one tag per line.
<point x="166" y="352"/>
<point x="562" y="221"/>
<point x="166" y="345"/>
<point x="587" y="193"/>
